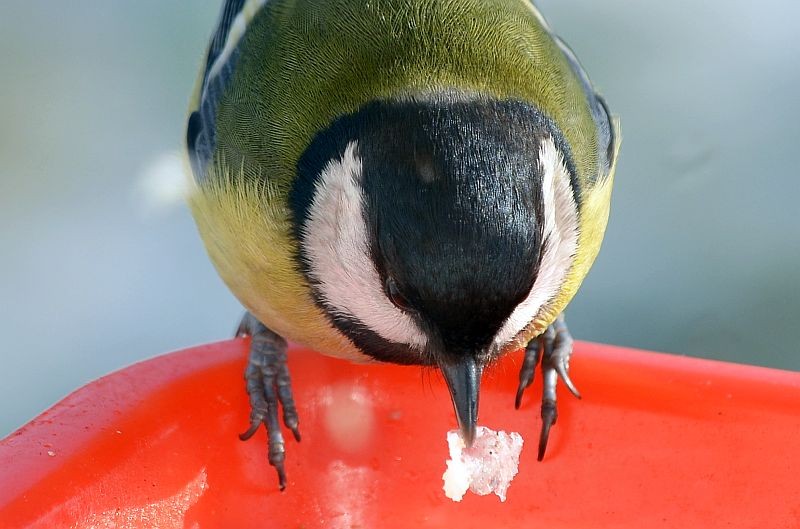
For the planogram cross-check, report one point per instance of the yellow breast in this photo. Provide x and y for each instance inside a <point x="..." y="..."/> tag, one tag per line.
<point x="247" y="235"/>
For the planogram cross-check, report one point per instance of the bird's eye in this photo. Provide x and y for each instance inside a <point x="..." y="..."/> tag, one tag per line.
<point x="396" y="297"/>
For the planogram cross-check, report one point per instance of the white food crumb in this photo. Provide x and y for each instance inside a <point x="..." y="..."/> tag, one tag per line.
<point x="487" y="466"/>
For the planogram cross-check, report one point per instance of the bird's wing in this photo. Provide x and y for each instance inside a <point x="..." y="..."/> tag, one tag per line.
<point x="606" y="127"/>
<point x="219" y="66"/>
<point x="230" y="10"/>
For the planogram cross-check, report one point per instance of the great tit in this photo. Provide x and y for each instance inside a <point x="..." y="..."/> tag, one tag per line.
<point x="410" y="181"/>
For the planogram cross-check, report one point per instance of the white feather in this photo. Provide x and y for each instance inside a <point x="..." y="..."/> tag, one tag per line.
<point x="560" y="241"/>
<point x="235" y="34"/>
<point x="335" y="240"/>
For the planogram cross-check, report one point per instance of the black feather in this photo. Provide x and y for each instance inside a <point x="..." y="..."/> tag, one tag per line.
<point x="453" y="205"/>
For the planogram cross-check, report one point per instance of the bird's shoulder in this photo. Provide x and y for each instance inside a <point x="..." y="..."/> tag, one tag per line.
<point x="277" y="71"/>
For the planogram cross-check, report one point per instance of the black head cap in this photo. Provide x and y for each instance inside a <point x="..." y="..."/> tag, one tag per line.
<point x="453" y="206"/>
<point x="452" y="192"/>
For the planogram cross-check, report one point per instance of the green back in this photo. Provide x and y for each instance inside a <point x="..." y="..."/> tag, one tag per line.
<point x="305" y="62"/>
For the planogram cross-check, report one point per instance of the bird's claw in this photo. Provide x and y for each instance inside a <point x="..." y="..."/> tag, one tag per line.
<point x="549" y="416"/>
<point x="553" y="349"/>
<point x="563" y="373"/>
<point x="250" y="431"/>
<point x="268" y="383"/>
<point x="533" y="353"/>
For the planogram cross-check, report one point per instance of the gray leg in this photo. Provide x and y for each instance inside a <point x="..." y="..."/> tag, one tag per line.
<point x="553" y="347"/>
<point x="268" y="383"/>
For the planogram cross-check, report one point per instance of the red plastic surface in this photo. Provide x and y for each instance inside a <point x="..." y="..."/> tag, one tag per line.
<point x="657" y="441"/>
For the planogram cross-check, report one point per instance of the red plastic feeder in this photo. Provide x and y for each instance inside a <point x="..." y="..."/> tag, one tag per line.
<point x="657" y="441"/>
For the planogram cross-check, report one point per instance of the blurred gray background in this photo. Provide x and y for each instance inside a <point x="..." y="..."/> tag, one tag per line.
<point x="702" y="254"/>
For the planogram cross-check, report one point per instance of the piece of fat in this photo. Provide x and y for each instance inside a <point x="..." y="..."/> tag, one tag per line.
<point x="488" y="466"/>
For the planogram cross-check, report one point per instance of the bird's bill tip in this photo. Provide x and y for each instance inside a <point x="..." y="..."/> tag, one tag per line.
<point x="463" y="380"/>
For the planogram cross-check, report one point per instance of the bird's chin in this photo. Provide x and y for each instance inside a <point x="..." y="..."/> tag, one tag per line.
<point x="463" y="376"/>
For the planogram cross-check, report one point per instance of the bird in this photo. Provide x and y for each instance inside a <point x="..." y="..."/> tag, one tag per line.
<point x="418" y="182"/>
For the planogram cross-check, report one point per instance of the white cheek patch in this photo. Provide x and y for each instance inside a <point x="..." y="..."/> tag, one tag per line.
<point x="560" y="232"/>
<point x="335" y="243"/>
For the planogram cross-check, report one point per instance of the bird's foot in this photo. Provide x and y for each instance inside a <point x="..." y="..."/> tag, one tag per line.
<point x="267" y="377"/>
<point x="553" y="348"/>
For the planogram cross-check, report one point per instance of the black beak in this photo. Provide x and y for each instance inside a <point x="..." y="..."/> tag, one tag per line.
<point x="464" y="378"/>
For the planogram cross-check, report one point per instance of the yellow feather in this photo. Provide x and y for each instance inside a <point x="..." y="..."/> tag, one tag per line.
<point x="594" y="209"/>
<point x="246" y="231"/>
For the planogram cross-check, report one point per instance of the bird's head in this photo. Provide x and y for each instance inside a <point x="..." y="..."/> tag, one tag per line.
<point x="433" y="230"/>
